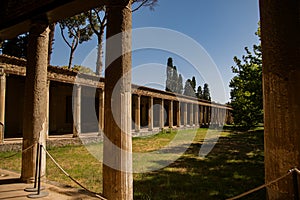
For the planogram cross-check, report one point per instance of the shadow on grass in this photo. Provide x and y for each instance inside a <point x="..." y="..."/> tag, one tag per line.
<point x="234" y="166"/>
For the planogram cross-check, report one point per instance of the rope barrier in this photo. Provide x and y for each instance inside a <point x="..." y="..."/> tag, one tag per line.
<point x="100" y="197"/>
<point x="74" y="180"/>
<point x="10" y="156"/>
<point x="297" y="170"/>
<point x="262" y="186"/>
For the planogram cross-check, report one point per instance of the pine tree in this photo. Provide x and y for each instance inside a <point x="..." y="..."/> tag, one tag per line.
<point x="78" y="31"/>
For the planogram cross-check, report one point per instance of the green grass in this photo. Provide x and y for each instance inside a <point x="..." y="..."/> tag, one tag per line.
<point x="235" y="165"/>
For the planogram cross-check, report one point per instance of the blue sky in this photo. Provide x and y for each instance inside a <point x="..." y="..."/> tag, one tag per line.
<point x="221" y="27"/>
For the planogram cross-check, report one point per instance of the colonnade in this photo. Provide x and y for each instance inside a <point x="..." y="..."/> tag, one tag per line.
<point x="280" y="41"/>
<point x="148" y="112"/>
<point x="171" y="114"/>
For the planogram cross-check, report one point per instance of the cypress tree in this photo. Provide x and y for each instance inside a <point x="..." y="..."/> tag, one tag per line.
<point x="180" y="85"/>
<point x="206" y="93"/>
<point x="199" y="92"/>
<point x="169" y="74"/>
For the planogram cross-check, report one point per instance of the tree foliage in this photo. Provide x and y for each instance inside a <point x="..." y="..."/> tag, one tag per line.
<point x="78" y="31"/>
<point x="173" y="81"/>
<point x="81" y="69"/>
<point x="97" y="18"/>
<point x="180" y="84"/>
<point x="199" y="93"/>
<point x="188" y="88"/>
<point x="193" y="83"/>
<point x="16" y="47"/>
<point x="246" y="92"/>
<point x="206" y="93"/>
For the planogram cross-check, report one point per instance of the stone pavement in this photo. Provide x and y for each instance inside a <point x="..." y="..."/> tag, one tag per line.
<point x="12" y="189"/>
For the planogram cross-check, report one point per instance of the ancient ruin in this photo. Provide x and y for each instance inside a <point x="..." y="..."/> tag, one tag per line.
<point x="280" y="24"/>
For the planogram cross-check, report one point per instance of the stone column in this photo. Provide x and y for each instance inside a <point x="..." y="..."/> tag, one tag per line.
<point x="215" y="115"/>
<point x="201" y="115"/>
<point x="205" y="115"/>
<point x="219" y="116"/>
<point x="280" y="32"/>
<point x="101" y="110"/>
<point x="185" y="115"/>
<point x="117" y="155"/>
<point x="48" y="104"/>
<point x="197" y="115"/>
<point x="220" y="110"/>
<point x="77" y="111"/>
<point x="150" y="114"/>
<point x="2" y="103"/>
<point x="170" y="113"/>
<point x="35" y="100"/>
<point x="222" y="116"/>
<point x="209" y="115"/>
<point x="178" y="115"/>
<point x="137" y="113"/>
<point x="191" y="114"/>
<point x="162" y="112"/>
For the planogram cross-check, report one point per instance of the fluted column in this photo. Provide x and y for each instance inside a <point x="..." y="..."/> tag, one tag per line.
<point x="137" y="113"/>
<point x="209" y="115"/>
<point x="101" y="110"/>
<point x="197" y="115"/>
<point x="170" y="113"/>
<point x="47" y="107"/>
<point x="162" y="117"/>
<point x="191" y="114"/>
<point x="178" y="114"/>
<point x="205" y="115"/>
<point x="2" y="103"/>
<point x="150" y="114"/>
<point x="77" y="111"/>
<point x="185" y="115"/>
<point x="201" y="115"/>
<point x="117" y="154"/>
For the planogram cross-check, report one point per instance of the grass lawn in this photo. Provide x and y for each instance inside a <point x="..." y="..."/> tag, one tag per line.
<point x="235" y="165"/>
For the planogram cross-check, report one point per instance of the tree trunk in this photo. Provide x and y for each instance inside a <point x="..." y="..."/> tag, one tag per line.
<point x="99" y="63"/>
<point x="51" y="41"/>
<point x="71" y="56"/>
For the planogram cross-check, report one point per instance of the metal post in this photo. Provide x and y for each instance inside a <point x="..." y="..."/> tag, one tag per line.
<point x="34" y="188"/>
<point x="39" y="193"/>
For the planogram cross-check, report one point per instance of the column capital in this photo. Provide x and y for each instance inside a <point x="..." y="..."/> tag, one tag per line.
<point x="118" y="3"/>
<point x="2" y="71"/>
